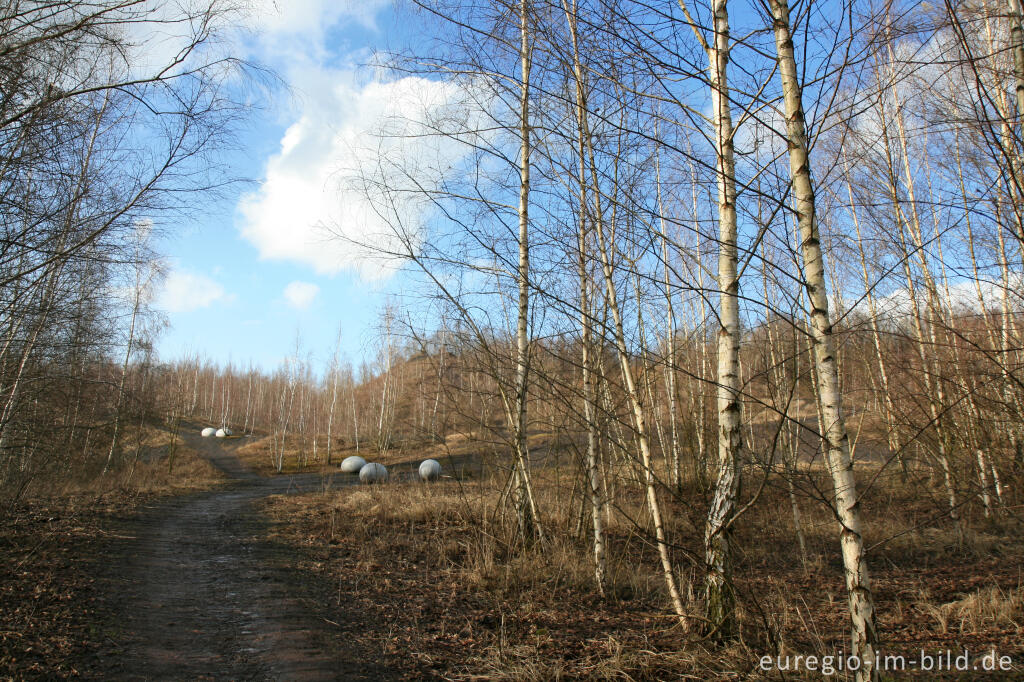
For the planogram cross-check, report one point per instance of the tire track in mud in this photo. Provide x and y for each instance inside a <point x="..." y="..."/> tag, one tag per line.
<point x="206" y="595"/>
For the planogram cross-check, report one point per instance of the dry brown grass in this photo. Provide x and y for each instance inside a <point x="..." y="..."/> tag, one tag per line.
<point x="519" y="613"/>
<point x="533" y="613"/>
<point x="259" y="453"/>
<point x="987" y="607"/>
<point x="463" y="455"/>
<point x="154" y="462"/>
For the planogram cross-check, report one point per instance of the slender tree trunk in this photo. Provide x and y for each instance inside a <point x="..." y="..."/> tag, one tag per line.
<point x="720" y="598"/>
<point x="701" y="456"/>
<point x="910" y="223"/>
<point x="529" y="525"/>
<point x="1017" y="46"/>
<point x="195" y="390"/>
<point x="670" y="341"/>
<point x="589" y="416"/>
<point x="632" y="390"/>
<point x="355" y="417"/>
<point x="330" y="414"/>
<point x="892" y="435"/>
<point x="639" y="421"/>
<point x="124" y="375"/>
<point x="933" y="386"/>
<point x="248" y="402"/>
<point x="861" y="601"/>
<point x="982" y="305"/>
<point x="777" y="373"/>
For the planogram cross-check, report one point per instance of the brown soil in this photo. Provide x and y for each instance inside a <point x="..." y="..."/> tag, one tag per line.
<point x="188" y="587"/>
<point x="450" y="598"/>
<point x="208" y="596"/>
<point x="264" y="578"/>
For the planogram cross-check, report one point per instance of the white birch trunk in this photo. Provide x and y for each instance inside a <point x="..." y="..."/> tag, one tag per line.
<point x="589" y="411"/>
<point x="529" y="524"/>
<point x="861" y="602"/>
<point x="720" y="598"/>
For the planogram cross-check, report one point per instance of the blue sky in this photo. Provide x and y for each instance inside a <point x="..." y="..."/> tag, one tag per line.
<point x="252" y="270"/>
<point x="248" y="272"/>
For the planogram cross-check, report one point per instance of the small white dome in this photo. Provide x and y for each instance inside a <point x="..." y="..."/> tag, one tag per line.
<point x="227" y="431"/>
<point x="221" y="433"/>
<point x="208" y="431"/>
<point x="352" y="465"/>
<point x="373" y="473"/>
<point x="430" y="470"/>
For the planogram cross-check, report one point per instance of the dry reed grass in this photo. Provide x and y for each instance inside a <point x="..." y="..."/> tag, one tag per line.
<point x="405" y="537"/>
<point x="154" y="462"/>
<point x="987" y="607"/>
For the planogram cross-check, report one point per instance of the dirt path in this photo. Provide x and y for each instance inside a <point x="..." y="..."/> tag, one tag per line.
<point x="208" y="596"/>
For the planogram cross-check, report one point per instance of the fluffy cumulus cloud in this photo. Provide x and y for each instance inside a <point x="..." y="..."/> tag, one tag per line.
<point x="279" y="18"/>
<point x="334" y="194"/>
<point x="185" y="291"/>
<point x="267" y="28"/>
<point x="300" y="295"/>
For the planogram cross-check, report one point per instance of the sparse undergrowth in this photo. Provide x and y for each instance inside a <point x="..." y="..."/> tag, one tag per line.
<point x="426" y="566"/>
<point x="56" y="542"/>
<point x="410" y="558"/>
<point x="260" y="452"/>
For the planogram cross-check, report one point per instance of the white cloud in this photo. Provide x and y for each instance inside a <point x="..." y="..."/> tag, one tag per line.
<point x="310" y="17"/>
<point x="292" y="35"/>
<point x="278" y="33"/>
<point x="308" y="210"/>
<point x="300" y="295"/>
<point x="185" y="291"/>
<point x="963" y="299"/>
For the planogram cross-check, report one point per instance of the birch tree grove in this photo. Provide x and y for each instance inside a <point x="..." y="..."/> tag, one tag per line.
<point x="701" y="214"/>
<point x="80" y="93"/>
<point x="685" y="291"/>
<point x="671" y="188"/>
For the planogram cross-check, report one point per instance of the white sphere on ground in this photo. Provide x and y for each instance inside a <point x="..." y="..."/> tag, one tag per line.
<point x="430" y="470"/>
<point x="221" y="433"/>
<point x="352" y="465"/>
<point x="373" y="473"/>
<point x="208" y="431"/>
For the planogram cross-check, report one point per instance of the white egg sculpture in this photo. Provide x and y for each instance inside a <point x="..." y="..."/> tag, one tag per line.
<point x="430" y="470"/>
<point x="373" y="473"/>
<point x="352" y="465"/>
<point x="208" y="431"/>
<point x="221" y="433"/>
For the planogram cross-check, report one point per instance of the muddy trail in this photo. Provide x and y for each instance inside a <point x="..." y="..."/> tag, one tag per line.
<point x="204" y="594"/>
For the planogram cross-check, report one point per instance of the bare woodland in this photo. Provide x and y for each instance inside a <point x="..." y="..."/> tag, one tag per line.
<point x="700" y="268"/>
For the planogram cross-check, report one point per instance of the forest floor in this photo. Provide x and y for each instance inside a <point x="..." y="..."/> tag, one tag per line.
<point x="452" y="597"/>
<point x="304" y="576"/>
<point x="175" y="585"/>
